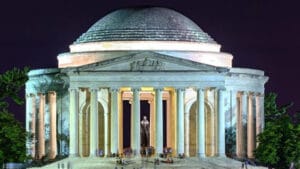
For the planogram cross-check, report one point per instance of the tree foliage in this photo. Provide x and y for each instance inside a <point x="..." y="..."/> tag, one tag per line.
<point x="12" y="133"/>
<point x="12" y="140"/>
<point x="279" y="143"/>
<point x="11" y="83"/>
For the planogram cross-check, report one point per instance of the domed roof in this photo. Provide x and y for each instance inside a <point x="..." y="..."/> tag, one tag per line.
<point x="144" y="24"/>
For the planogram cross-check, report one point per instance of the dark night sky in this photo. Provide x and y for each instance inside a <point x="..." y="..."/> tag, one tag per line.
<point x="262" y="34"/>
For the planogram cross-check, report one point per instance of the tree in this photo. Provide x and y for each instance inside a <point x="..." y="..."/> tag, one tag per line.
<point x="279" y="143"/>
<point x="12" y="133"/>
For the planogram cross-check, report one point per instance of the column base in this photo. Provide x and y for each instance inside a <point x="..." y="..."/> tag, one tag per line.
<point x="157" y="155"/>
<point x="221" y="155"/>
<point x="240" y="156"/>
<point x="73" y="155"/>
<point x="250" y="157"/>
<point x="201" y="155"/>
<point x="92" y="156"/>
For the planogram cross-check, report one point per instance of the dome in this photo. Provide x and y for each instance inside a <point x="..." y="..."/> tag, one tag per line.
<point x="144" y="24"/>
<point x="134" y="30"/>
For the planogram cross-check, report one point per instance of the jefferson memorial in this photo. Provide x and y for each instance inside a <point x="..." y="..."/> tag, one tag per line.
<point x="150" y="67"/>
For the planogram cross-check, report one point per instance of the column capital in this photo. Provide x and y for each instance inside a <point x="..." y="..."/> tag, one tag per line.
<point x="41" y="94"/>
<point x="136" y="89"/>
<point x="181" y="89"/>
<point x="30" y="94"/>
<point x="114" y="90"/>
<point x="52" y="92"/>
<point x="234" y="91"/>
<point x="221" y="88"/>
<point x="260" y="94"/>
<point x="73" y="89"/>
<point x="252" y="93"/>
<point x="244" y="92"/>
<point x="211" y="88"/>
<point x="199" y="88"/>
<point x="94" y="89"/>
<point x="158" y="89"/>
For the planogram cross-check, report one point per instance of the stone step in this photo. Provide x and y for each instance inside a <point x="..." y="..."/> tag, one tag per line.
<point x="110" y="163"/>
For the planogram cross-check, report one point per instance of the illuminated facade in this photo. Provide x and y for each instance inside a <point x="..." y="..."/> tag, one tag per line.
<point x="199" y="105"/>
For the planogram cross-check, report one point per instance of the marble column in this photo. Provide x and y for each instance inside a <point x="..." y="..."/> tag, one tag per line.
<point x="41" y="128"/>
<point x="262" y="111"/>
<point x="259" y="102"/>
<point x="187" y="134"/>
<point x="27" y="122"/>
<point x="260" y="115"/>
<point x="106" y="134"/>
<point x="114" y="121"/>
<point x="243" y="124"/>
<point x="152" y="123"/>
<point x="73" y="125"/>
<point x="221" y="123"/>
<point x="33" y="125"/>
<point x="159" y="121"/>
<point x="180" y="121"/>
<point x="250" y="127"/>
<point x="52" y="107"/>
<point x="94" y="122"/>
<point x="234" y="117"/>
<point x="169" y="122"/>
<point x="136" y="138"/>
<point x="201" y="123"/>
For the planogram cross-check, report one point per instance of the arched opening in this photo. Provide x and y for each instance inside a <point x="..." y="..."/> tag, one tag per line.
<point x="209" y="130"/>
<point x="193" y="130"/>
<point x="85" y="129"/>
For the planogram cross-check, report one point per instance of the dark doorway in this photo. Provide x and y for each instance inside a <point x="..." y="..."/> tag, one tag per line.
<point x="165" y="123"/>
<point x="126" y="123"/>
<point x="144" y="111"/>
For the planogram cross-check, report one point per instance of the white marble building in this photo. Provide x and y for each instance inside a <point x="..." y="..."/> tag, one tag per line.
<point x="199" y="104"/>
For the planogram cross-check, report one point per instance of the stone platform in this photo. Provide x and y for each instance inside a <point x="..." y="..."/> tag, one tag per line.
<point x="143" y="163"/>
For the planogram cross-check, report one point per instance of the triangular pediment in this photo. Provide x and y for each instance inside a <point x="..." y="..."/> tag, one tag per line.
<point x="146" y="62"/>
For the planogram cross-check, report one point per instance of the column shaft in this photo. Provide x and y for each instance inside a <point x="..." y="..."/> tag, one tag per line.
<point x="259" y="114"/>
<point x="262" y="111"/>
<point x="201" y="123"/>
<point x="114" y="121"/>
<point x="136" y="138"/>
<point x="243" y="124"/>
<point x="221" y="123"/>
<point x="180" y="121"/>
<point x="106" y="134"/>
<point x="159" y="121"/>
<point x="250" y="127"/>
<point x="187" y="134"/>
<point x="234" y="117"/>
<point x="73" y="128"/>
<point x="33" y="125"/>
<point x="94" y="122"/>
<point x="27" y="121"/>
<point x="41" y="129"/>
<point x="152" y="123"/>
<point x="169" y="122"/>
<point x="52" y="106"/>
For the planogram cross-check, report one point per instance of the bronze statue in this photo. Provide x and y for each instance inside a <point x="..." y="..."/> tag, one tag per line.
<point x="145" y="132"/>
